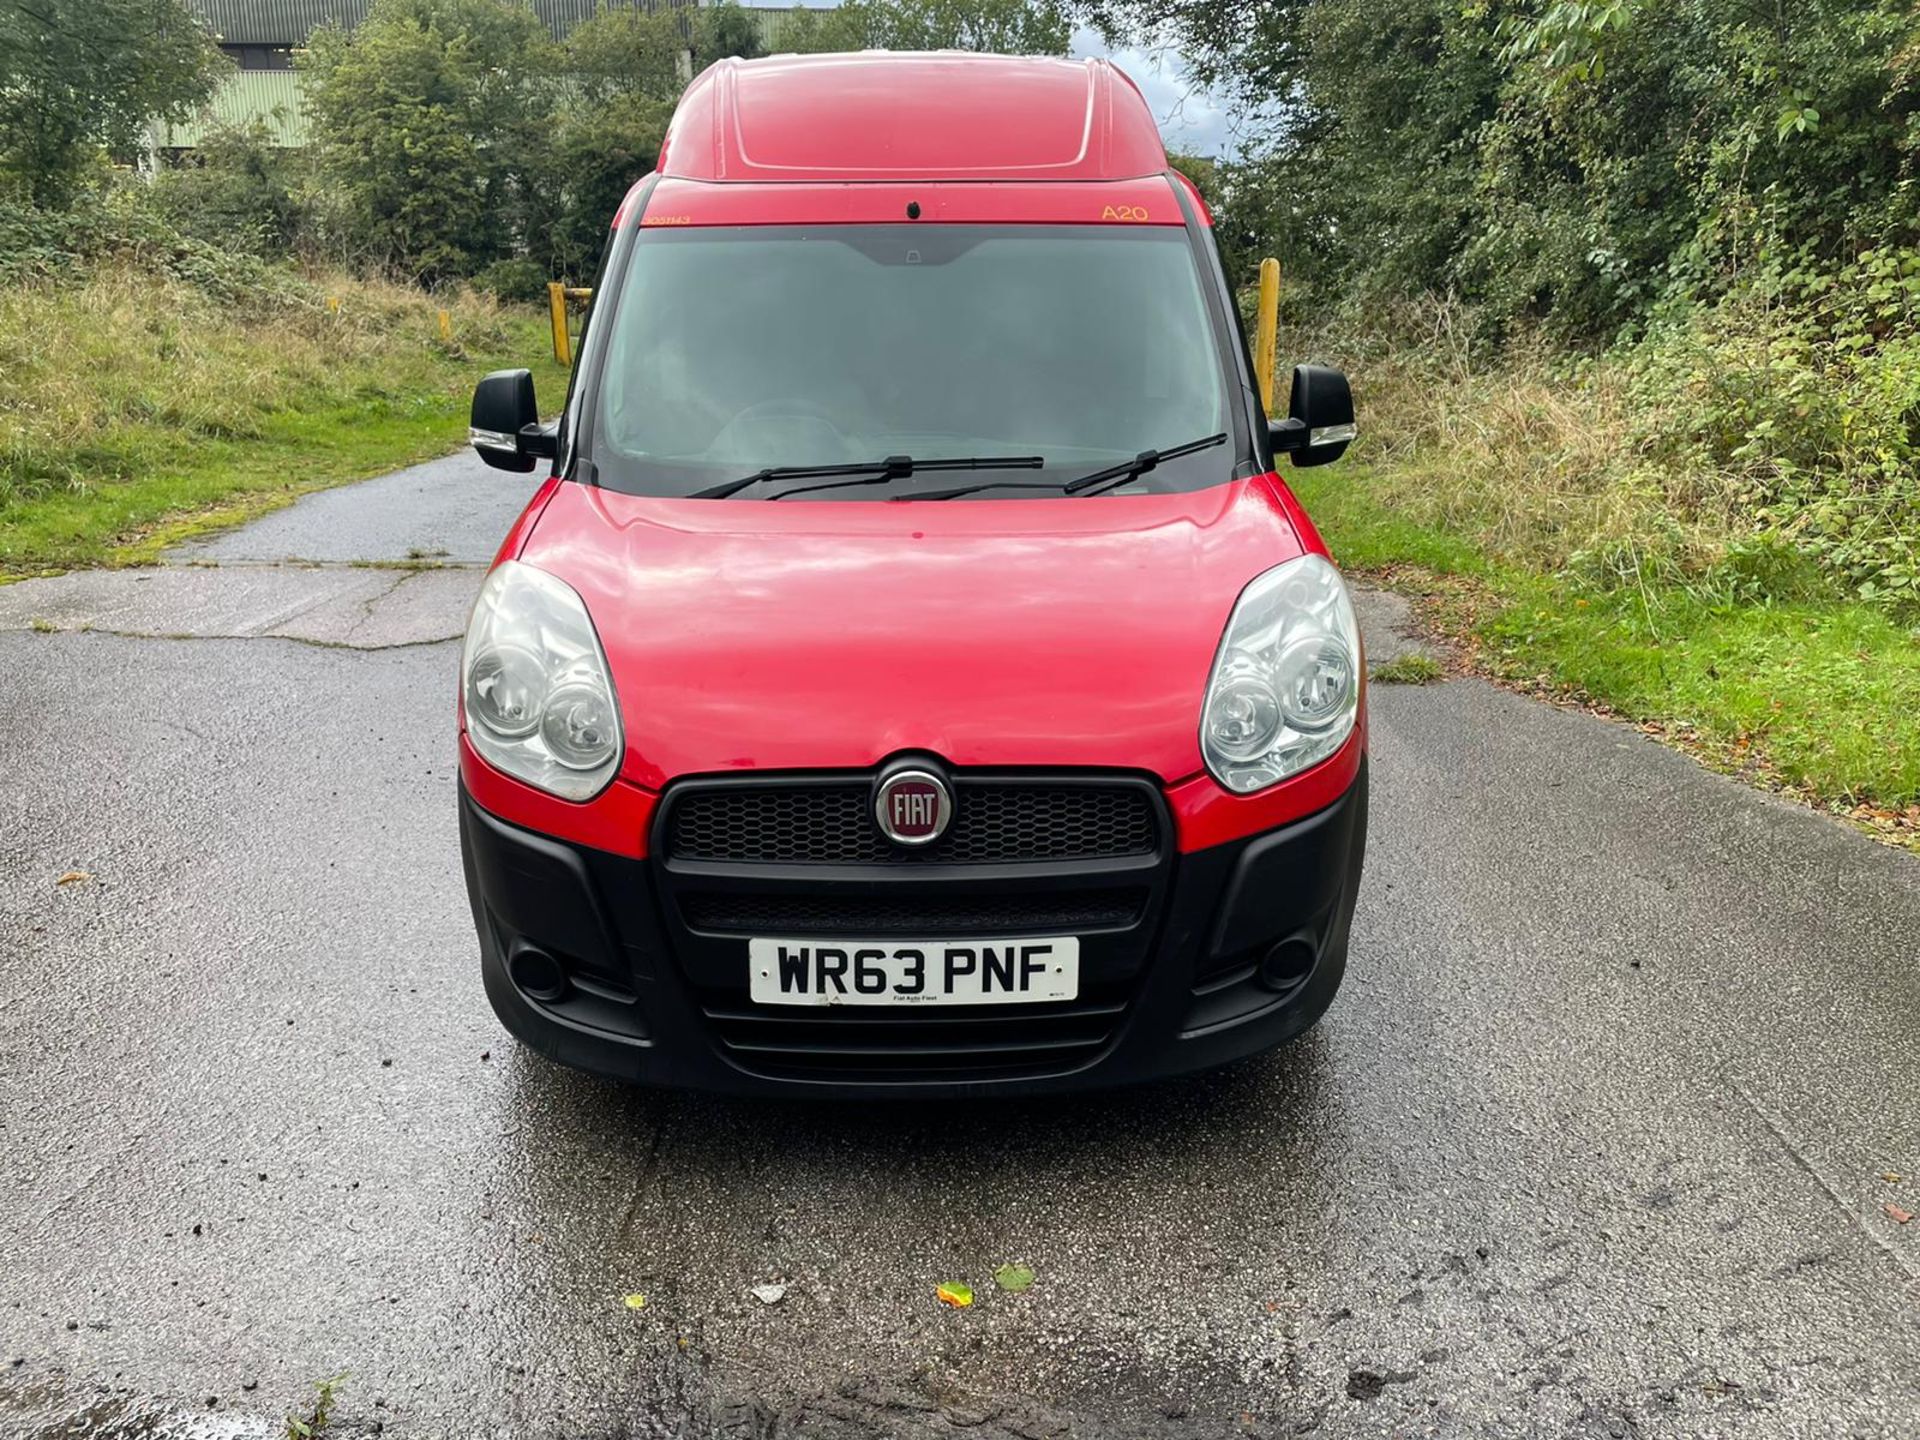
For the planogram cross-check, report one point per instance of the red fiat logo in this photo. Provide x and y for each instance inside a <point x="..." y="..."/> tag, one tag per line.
<point x="912" y="807"/>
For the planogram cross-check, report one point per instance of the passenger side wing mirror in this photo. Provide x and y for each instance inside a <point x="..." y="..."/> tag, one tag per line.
<point x="504" y="426"/>
<point x="1319" y="424"/>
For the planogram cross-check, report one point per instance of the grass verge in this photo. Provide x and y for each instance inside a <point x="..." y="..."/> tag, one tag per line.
<point x="1407" y="670"/>
<point x="136" y="410"/>
<point x="1820" y="697"/>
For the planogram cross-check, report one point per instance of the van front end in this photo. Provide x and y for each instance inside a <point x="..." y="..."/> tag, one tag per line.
<point x="914" y="677"/>
<point x="642" y="967"/>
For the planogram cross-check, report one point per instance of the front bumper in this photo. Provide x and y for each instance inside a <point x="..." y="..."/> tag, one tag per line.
<point x="602" y="962"/>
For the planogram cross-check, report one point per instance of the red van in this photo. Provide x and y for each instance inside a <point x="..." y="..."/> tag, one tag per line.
<point x="913" y="677"/>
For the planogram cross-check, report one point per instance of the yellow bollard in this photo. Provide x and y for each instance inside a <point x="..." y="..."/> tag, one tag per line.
<point x="1266" y="328"/>
<point x="446" y="327"/>
<point x="557" y="309"/>
<point x="558" y="295"/>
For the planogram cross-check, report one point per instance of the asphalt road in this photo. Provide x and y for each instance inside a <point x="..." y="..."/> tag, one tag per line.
<point x="1592" y="1143"/>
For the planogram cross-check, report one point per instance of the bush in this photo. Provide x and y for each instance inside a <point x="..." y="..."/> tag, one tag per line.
<point x="235" y="191"/>
<point x="431" y="125"/>
<point x="514" y="280"/>
<point x="1765" y="447"/>
<point x="121" y="224"/>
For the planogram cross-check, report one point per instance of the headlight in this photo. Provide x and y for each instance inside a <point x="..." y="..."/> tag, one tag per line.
<point x="540" y="701"/>
<point x="1286" y="683"/>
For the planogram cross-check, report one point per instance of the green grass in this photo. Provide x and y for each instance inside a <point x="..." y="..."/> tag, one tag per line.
<point x="135" y="412"/>
<point x="1407" y="670"/>
<point x="1823" y="694"/>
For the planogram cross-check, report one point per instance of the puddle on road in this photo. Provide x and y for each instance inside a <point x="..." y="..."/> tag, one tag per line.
<point x="124" y="1419"/>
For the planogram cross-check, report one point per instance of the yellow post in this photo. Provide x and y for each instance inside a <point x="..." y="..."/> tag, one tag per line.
<point x="557" y="308"/>
<point x="446" y="327"/>
<point x="1266" y="329"/>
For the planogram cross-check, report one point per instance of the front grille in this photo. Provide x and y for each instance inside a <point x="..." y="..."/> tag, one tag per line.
<point x="845" y="1042"/>
<point x="856" y="917"/>
<point x="993" y="821"/>
<point x="1084" y="854"/>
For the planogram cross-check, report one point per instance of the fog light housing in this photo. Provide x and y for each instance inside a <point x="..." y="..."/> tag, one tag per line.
<point x="1287" y="965"/>
<point x="537" y="974"/>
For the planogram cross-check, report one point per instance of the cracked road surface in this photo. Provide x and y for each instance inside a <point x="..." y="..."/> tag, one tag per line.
<point x="1593" y="1143"/>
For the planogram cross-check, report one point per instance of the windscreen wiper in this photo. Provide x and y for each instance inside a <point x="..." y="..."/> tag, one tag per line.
<point x="864" y="472"/>
<point x="1097" y="483"/>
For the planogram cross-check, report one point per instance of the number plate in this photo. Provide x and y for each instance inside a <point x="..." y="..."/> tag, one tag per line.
<point x="913" y="972"/>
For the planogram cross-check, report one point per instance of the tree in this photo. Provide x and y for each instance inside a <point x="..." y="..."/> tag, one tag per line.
<point x="1578" y="162"/>
<point x="808" y="31"/>
<point x="723" y="30"/>
<point x="1007" y="27"/>
<point x="629" y="51"/>
<point x="235" y="189"/>
<point x="76" y="75"/>
<point x="624" y="75"/>
<point x="432" y="124"/>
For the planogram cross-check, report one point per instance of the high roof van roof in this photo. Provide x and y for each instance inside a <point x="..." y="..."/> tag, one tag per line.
<point x="880" y="116"/>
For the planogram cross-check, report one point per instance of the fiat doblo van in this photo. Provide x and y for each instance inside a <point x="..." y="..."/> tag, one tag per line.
<point x="913" y="677"/>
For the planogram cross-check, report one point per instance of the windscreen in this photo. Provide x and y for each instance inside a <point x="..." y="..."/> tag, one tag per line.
<point x="738" y="349"/>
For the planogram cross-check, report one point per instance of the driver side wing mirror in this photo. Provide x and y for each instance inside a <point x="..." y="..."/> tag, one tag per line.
<point x="504" y="426"/>
<point x="1319" y="424"/>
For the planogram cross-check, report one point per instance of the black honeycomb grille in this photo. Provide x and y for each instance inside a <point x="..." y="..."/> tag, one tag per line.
<point x="993" y="821"/>
<point x="859" y="916"/>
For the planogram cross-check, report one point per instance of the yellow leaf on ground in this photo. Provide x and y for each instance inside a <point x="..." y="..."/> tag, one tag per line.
<point x="955" y="1293"/>
<point x="635" y="1302"/>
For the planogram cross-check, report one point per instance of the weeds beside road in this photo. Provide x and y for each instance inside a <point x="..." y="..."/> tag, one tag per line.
<point x="137" y="407"/>
<point x="1820" y="697"/>
<point x="1711" y="528"/>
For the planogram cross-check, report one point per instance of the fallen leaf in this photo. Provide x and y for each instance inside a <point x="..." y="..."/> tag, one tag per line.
<point x="1900" y="1217"/>
<point x="73" y="877"/>
<point x="1892" y="1177"/>
<point x="956" y="1293"/>
<point x="769" y="1294"/>
<point x="635" y="1302"/>
<point x="1013" y="1278"/>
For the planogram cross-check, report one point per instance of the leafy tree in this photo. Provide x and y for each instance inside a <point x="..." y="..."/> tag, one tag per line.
<point x="624" y="70"/>
<point x="808" y="31"/>
<point x="76" y="75"/>
<point x="236" y="189"/>
<point x="623" y="52"/>
<point x="1584" y="162"/>
<point x="1008" y="27"/>
<point x="722" y="30"/>
<point x="432" y="124"/>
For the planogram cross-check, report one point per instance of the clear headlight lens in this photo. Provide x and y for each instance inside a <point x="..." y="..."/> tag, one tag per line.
<point x="539" y="695"/>
<point x="1286" y="684"/>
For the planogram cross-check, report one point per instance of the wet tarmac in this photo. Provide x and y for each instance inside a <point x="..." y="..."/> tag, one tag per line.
<point x="1595" y="1141"/>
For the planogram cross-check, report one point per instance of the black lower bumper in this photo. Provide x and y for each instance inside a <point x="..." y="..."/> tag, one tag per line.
<point x="600" y="962"/>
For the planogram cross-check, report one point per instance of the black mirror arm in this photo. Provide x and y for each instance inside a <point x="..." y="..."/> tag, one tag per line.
<point x="540" y="440"/>
<point x="1287" y="435"/>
